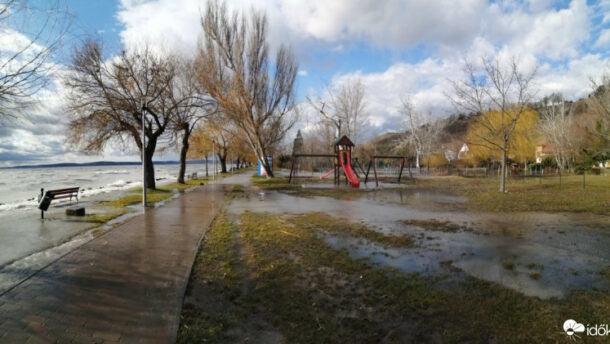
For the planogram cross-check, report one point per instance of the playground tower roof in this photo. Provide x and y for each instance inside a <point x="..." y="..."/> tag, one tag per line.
<point x="343" y="141"/>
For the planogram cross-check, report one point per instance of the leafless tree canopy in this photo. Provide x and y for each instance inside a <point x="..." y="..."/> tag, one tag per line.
<point x="191" y="106"/>
<point x="234" y="68"/>
<point x="345" y="108"/>
<point x="495" y="87"/>
<point x="105" y="100"/>
<point x="422" y="132"/>
<point x="600" y="104"/>
<point x="26" y="67"/>
<point x="556" y="117"/>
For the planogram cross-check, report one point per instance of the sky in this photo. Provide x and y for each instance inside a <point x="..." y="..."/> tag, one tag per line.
<point x="398" y="48"/>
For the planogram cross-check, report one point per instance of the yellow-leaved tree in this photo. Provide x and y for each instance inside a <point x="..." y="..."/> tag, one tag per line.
<point x="521" y="146"/>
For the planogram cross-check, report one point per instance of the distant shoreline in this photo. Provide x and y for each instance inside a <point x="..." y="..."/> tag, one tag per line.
<point x="100" y="163"/>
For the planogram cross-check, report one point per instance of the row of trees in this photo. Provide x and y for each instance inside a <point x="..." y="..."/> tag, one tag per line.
<point x="508" y="123"/>
<point x="230" y="95"/>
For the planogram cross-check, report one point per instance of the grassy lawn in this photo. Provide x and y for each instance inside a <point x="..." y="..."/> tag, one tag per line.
<point x="271" y="278"/>
<point x="531" y="194"/>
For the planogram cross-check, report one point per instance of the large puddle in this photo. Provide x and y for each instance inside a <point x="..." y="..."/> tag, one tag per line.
<point x="538" y="254"/>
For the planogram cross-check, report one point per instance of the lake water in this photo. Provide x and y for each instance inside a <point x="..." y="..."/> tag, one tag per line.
<point x="20" y="187"/>
<point x="28" y="243"/>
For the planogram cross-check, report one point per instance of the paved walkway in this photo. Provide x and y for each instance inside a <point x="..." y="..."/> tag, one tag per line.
<point x="126" y="286"/>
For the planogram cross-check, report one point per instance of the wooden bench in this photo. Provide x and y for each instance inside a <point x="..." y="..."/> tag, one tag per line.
<point x="50" y="195"/>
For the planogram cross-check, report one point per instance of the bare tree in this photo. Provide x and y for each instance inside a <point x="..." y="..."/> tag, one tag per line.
<point x="217" y="132"/>
<point x="235" y="70"/>
<point x="556" y="124"/>
<point x="344" y="108"/>
<point x="106" y="100"/>
<point x="504" y="88"/>
<point x="190" y="105"/>
<point x="599" y="102"/>
<point x="422" y="132"/>
<point x="25" y="67"/>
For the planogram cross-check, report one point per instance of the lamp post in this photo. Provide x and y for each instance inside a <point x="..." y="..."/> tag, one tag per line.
<point x="214" y="157"/>
<point x="143" y="111"/>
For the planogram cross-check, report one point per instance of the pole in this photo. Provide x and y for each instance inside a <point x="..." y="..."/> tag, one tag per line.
<point x="206" y="165"/>
<point x="143" y="158"/>
<point x="214" y="157"/>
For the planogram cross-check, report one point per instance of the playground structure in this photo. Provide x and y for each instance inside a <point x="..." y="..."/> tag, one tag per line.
<point x="342" y="159"/>
<point x="373" y="162"/>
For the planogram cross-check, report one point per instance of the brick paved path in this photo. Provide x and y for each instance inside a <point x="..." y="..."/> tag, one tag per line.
<point x="125" y="286"/>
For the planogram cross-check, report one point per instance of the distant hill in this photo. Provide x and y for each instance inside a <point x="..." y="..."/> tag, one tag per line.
<point x="100" y="163"/>
<point x="452" y="137"/>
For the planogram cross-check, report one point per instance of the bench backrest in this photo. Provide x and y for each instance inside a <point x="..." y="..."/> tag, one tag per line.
<point x="63" y="191"/>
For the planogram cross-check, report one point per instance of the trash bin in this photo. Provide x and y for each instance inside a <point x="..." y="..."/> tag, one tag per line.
<point x="45" y="202"/>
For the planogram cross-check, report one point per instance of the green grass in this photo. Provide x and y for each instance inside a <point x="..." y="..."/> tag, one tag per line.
<point x="103" y="218"/>
<point x="214" y="275"/>
<point x="276" y="183"/>
<point x="237" y="191"/>
<point x="322" y="221"/>
<point x="508" y="264"/>
<point x="310" y="293"/>
<point x="528" y="194"/>
<point x="435" y="225"/>
<point x="152" y="196"/>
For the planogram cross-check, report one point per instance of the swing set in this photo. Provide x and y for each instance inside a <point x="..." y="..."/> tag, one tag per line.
<point x="342" y="159"/>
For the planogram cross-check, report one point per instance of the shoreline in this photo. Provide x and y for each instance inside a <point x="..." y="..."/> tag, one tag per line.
<point x="58" y="234"/>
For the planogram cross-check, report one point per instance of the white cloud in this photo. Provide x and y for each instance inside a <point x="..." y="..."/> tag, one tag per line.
<point x="603" y="41"/>
<point x="424" y="83"/>
<point x="534" y="30"/>
<point x="573" y="79"/>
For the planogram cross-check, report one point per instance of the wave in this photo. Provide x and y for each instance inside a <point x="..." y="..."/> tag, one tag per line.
<point x="112" y="172"/>
<point x="84" y="192"/>
<point x="18" y="205"/>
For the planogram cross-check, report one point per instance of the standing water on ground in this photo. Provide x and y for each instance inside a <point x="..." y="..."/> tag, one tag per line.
<point x="538" y="254"/>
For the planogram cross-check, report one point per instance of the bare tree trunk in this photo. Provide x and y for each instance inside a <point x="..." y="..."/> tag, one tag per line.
<point x="206" y="165"/>
<point x="223" y="162"/>
<point x="262" y="157"/>
<point x="183" y="151"/>
<point x="503" y="167"/>
<point x="149" y="151"/>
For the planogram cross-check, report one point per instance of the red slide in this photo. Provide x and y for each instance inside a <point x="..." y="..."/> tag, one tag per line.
<point x="347" y="167"/>
<point x="327" y="174"/>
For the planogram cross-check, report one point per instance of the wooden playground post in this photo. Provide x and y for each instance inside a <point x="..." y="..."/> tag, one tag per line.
<point x="402" y="166"/>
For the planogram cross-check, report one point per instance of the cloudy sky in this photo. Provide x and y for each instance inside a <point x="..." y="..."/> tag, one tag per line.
<point x="399" y="48"/>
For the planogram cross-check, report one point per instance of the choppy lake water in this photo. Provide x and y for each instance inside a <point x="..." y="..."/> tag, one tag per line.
<point x="20" y="187"/>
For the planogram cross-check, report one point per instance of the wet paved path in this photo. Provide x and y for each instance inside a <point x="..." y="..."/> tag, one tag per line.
<point x="126" y="286"/>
